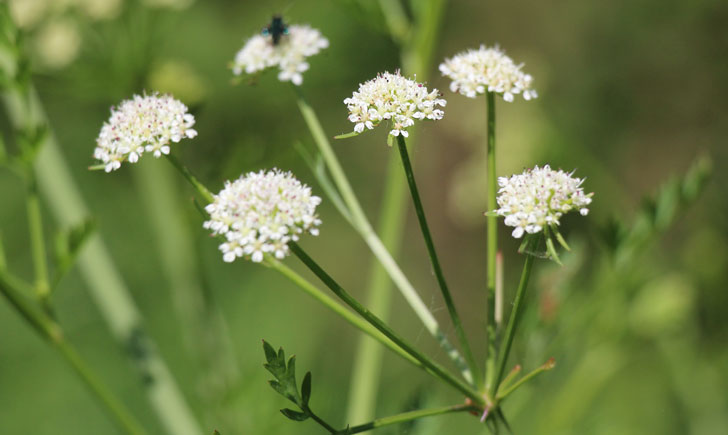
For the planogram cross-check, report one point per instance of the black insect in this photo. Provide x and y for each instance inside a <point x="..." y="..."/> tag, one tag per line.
<point x="276" y="29"/>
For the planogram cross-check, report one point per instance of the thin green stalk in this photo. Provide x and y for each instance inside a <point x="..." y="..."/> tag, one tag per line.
<point x="368" y="356"/>
<point x="51" y="332"/>
<point x="416" y="55"/>
<point x="321" y="422"/>
<point x="492" y="247"/>
<point x="544" y="367"/>
<point x="201" y="189"/>
<point x="362" y="225"/>
<point x="339" y="309"/>
<point x="37" y="244"/>
<point x="512" y="322"/>
<point x="435" y="368"/>
<point x="419" y="209"/>
<point x="502" y="418"/>
<point x="3" y="259"/>
<point x="405" y="417"/>
<point x="105" y="284"/>
<point x="125" y="419"/>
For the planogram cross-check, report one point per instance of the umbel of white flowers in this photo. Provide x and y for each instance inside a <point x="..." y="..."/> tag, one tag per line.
<point x="260" y="212"/>
<point x="539" y="197"/>
<point x="147" y="123"/>
<point x="474" y="72"/>
<point x="396" y="99"/>
<point x="289" y="55"/>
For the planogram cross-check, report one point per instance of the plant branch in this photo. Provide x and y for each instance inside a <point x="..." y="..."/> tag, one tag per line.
<point x="492" y="247"/>
<point x="51" y="332"/>
<point x="199" y="187"/>
<point x="512" y="322"/>
<point x="37" y="244"/>
<point x="362" y="225"/>
<point x="336" y="307"/>
<point x="436" y="369"/>
<point x="405" y="417"/>
<point x="419" y="210"/>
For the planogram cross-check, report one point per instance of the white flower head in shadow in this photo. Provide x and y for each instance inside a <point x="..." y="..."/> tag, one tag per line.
<point x="260" y="213"/>
<point x="144" y="124"/>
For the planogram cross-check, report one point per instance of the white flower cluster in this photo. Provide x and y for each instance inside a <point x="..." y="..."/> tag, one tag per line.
<point x="289" y="54"/>
<point x="539" y="197"/>
<point x="143" y="124"/>
<point x="395" y="98"/>
<point x="475" y="71"/>
<point x="260" y="212"/>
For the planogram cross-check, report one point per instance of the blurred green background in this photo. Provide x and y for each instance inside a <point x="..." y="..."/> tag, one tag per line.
<point x="630" y="94"/>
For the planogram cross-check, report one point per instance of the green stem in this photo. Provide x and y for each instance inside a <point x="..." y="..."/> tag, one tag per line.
<point x="545" y="367"/>
<point x="105" y="284"/>
<point x="405" y="417"/>
<point x="199" y="187"/>
<point x="126" y="420"/>
<point x="502" y="418"/>
<point x="513" y="321"/>
<point x="336" y="307"/>
<point x="362" y="225"/>
<point x="416" y="56"/>
<point x="368" y="356"/>
<point x="37" y="244"/>
<point x="321" y="422"/>
<point x="3" y="258"/>
<point x="492" y="246"/>
<point x="435" y="368"/>
<point x="419" y="210"/>
<point x="52" y="333"/>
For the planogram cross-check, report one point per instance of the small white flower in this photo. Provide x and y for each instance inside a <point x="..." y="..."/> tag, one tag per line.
<point x="394" y="98"/>
<point x="474" y="71"/>
<point x="260" y="212"/>
<point x="145" y="123"/>
<point x="289" y="55"/>
<point x="538" y="198"/>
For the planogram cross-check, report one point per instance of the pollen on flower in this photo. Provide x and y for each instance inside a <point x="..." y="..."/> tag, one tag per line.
<point x="147" y="123"/>
<point x="260" y="212"/>
<point x="394" y="98"/>
<point x="474" y="72"/>
<point x="539" y="197"/>
<point x="289" y="55"/>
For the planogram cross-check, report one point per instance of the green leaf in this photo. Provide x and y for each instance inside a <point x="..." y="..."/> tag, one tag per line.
<point x="68" y="244"/>
<point x="552" y="250"/>
<point x="270" y="353"/>
<point x="491" y="213"/>
<point x="560" y="238"/>
<point x="306" y="389"/>
<point x="295" y="415"/>
<point x="285" y="382"/>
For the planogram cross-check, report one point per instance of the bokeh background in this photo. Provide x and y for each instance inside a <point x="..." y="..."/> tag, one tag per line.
<point x="631" y="93"/>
